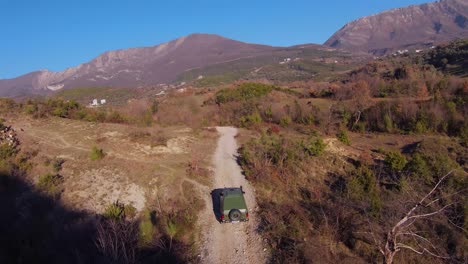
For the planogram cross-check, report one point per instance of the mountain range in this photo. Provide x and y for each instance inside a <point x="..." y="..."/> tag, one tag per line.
<point x="413" y="26"/>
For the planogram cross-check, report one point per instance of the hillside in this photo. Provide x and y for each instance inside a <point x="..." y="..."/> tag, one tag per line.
<point x="329" y="169"/>
<point x="410" y="27"/>
<point x="200" y="59"/>
<point x="297" y="63"/>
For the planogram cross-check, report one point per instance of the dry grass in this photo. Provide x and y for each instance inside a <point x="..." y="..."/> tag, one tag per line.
<point x="141" y="164"/>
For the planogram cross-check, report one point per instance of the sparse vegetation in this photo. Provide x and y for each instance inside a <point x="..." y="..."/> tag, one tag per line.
<point x="50" y="184"/>
<point x="57" y="164"/>
<point x="97" y="153"/>
<point x="359" y="198"/>
<point x="342" y="136"/>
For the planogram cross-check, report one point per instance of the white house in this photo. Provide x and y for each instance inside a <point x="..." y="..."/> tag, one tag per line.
<point x="103" y="101"/>
<point x="95" y="102"/>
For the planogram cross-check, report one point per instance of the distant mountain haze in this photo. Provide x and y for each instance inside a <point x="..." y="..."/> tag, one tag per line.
<point x="400" y="28"/>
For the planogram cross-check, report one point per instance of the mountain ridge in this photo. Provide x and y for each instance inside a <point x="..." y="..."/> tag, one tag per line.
<point x="406" y="27"/>
<point x="136" y="67"/>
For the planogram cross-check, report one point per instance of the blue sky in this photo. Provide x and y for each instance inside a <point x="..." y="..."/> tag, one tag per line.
<point x="56" y="34"/>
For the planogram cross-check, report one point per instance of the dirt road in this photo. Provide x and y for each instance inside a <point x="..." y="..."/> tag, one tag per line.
<point x="230" y="243"/>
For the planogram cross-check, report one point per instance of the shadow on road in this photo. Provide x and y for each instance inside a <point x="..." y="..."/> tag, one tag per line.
<point x="215" y="195"/>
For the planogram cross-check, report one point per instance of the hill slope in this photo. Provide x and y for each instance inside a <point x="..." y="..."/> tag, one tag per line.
<point x="412" y="26"/>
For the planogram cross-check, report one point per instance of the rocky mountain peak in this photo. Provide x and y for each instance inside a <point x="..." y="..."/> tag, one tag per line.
<point x="414" y="25"/>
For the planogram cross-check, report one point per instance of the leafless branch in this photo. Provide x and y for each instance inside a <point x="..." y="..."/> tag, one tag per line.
<point x="422" y="251"/>
<point x="391" y="244"/>
<point x="411" y="211"/>
<point x="456" y="226"/>
<point x="430" y="214"/>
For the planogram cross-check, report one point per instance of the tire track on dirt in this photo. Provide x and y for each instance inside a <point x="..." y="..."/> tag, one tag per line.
<point x="237" y="242"/>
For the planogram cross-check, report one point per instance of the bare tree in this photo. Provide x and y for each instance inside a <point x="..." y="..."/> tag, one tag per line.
<point x="117" y="240"/>
<point x="401" y="230"/>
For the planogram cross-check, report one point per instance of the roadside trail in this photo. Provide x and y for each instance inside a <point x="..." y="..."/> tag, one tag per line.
<point x="230" y="243"/>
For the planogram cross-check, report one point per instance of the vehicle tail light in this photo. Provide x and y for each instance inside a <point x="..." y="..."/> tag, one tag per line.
<point x="247" y="215"/>
<point x="222" y="217"/>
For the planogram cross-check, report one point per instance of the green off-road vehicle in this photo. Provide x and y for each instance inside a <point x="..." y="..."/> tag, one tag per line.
<point x="232" y="207"/>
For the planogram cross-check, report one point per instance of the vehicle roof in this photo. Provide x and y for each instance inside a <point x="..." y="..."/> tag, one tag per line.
<point x="233" y="192"/>
<point x="233" y="199"/>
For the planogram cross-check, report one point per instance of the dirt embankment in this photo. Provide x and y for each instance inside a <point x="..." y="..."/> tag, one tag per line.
<point x="230" y="243"/>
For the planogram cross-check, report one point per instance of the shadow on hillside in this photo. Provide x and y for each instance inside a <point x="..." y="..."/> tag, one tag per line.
<point x="35" y="228"/>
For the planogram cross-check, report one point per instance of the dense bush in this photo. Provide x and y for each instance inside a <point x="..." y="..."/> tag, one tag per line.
<point x="363" y="186"/>
<point x="395" y="161"/>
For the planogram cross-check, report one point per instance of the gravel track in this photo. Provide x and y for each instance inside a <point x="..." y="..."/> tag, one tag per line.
<point x="237" y="242"/>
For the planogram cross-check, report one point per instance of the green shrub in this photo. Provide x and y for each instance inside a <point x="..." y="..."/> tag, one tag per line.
<point x="419" y="169"/>
<point x="285" y="121"/>
<point x="420" y="127"/>
<point x="119" y="211"/>
<point x="147" y="230"/>
<point x="116" y="117"/>
<point x="315" y="147"/>
<point x="363" y="187"/>
<point x="302" y="116"/>
<point x="243" y="92"/>
<point x="464" y="136"/>
<point x="130" y="211"/>
<point x="147" y="118"/>
<point x="395" y="161"/>
<point x="115" y="211"/>
<point x="60" y="112"/>
<point x="101" y="116"/>
<point x="7" y="151"/>
<point x="81" y="114"/>
<point x="250" y="120"/>
<point x="154" y="107"/>
<point x="171" y="230"/>
<point x="50" y="184"/>
<point x="57" y="164"/>
<point x="388" y="122"/>
<point x="30" y="109"/>
<point x="342" y="136"/>
<point x="97" y="153"/>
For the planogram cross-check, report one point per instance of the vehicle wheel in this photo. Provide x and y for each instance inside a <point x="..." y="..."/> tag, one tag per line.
<point x="234" y="215"/>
